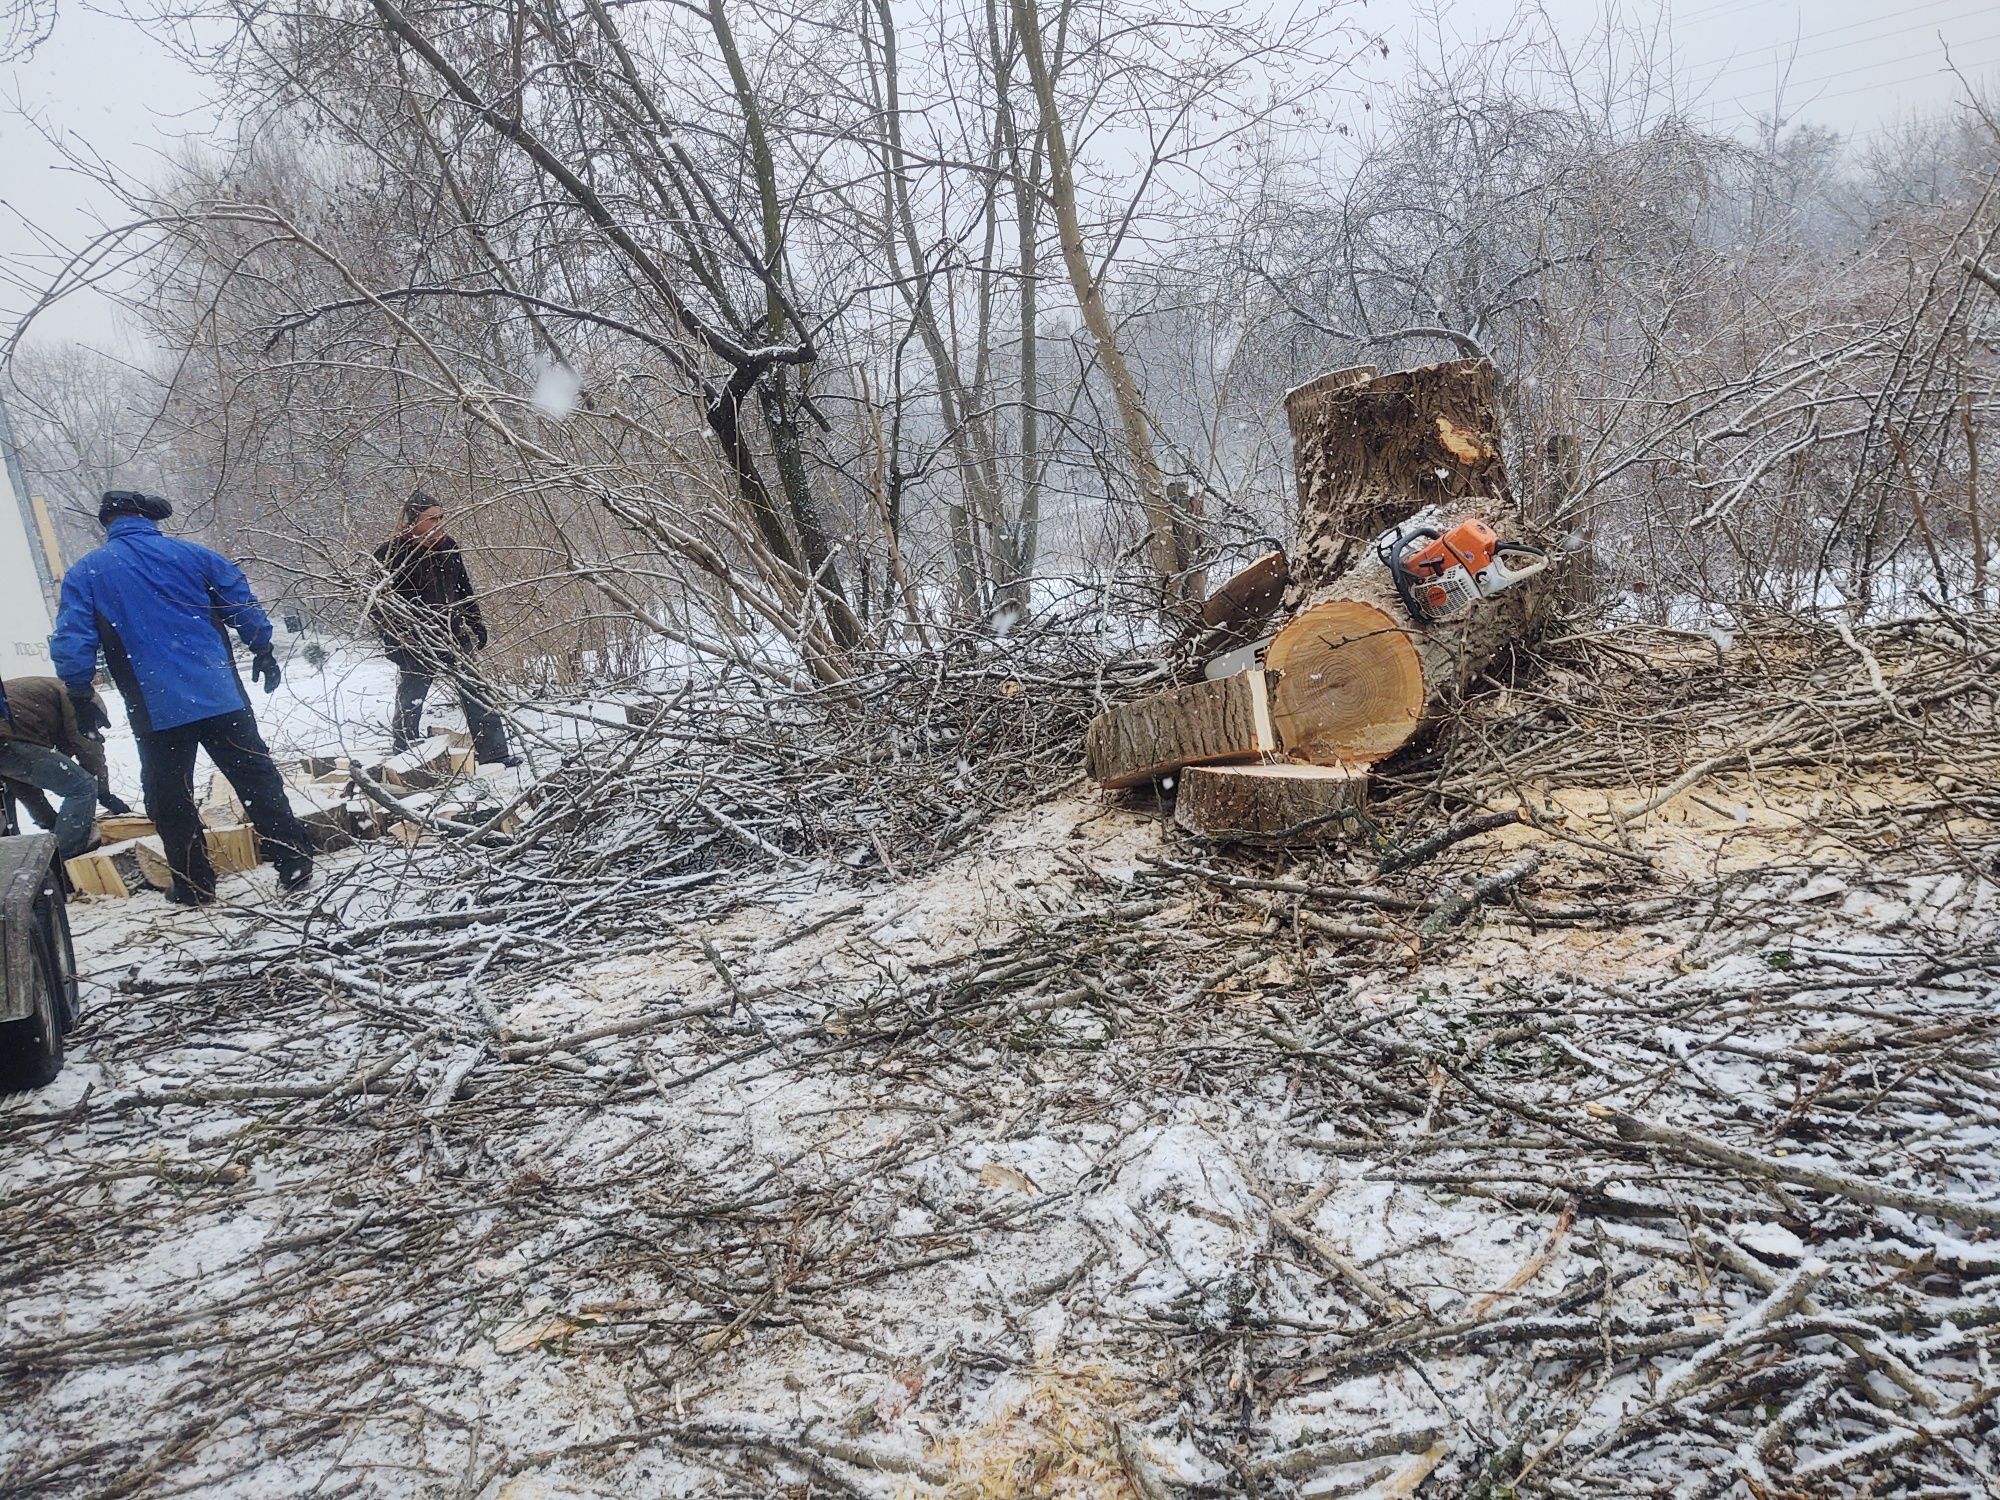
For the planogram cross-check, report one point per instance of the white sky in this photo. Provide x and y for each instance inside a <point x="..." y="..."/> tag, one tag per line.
<point x="1859" y="64"/>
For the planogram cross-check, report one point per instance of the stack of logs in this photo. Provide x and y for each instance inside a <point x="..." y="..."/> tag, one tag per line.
<point x="1274" y="741"/>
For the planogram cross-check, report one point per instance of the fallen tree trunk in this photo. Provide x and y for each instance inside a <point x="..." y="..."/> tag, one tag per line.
<point x="1356" y="677"/>
<point x="1199" y="724"/>
<point x="1352" y="676"/>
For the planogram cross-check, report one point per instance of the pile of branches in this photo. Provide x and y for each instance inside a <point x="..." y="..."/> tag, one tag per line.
<point x="890" y="770"/>
<point x="1650" y="712"/>
<point x="564" y="1110"/>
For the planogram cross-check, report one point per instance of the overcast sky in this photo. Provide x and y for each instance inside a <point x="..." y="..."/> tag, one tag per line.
<point x="1854" y="65"/>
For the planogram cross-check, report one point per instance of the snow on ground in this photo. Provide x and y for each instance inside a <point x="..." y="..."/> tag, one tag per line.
<point x="1046" y="1171"/>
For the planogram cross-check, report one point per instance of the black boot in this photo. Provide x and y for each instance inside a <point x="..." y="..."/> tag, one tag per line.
<point x="295" y="871"/>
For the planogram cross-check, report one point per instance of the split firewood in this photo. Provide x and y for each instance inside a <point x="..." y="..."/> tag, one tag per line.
<point x="231" y="851"/>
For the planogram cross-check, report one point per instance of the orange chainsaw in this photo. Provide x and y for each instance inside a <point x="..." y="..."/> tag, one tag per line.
<point x="1442" y="570"/>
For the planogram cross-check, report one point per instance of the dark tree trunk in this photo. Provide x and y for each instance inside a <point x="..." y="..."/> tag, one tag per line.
<point x="1371" y="450"/>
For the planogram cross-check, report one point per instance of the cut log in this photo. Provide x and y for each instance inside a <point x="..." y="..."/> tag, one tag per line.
<point x="115" y="828"/>
<point x="1200" y="724"/>
<point x="1371" y="450"/>
<point x="1355" y="677"/>
<point x="231" y="851"/>
<point x="322" y="812"/>
<point x="1270" y="804"/>
<point x="430" y="764"/>
<point x="1349" y="682"/>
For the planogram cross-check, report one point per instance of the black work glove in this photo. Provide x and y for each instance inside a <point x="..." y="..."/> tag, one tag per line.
<point x="113" y="803"/>
<point x="90" y="715"/>
<point x="264" y="669"/>
<point x="474" y="634"/>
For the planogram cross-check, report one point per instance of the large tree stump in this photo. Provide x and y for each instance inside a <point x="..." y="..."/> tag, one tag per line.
<point x="1356" y="675"/>
<point x="1370" y="450"/>
<point x="1270" y="804"/>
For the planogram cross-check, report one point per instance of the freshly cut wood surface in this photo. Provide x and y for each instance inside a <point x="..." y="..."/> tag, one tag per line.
<point x="98" y="872"/>
<point x="1349" y="682"/>
<point x="230" y="852"/>
<point x="1356" y="677"/>
<point x="1270" y="803"/>
<point x="1200" y="723"/>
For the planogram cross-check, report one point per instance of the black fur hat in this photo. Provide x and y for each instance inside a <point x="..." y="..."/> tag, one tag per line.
<point x="114" y="503"/>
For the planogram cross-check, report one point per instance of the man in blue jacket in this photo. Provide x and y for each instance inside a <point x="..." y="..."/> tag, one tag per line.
<point x="160" y="608"/>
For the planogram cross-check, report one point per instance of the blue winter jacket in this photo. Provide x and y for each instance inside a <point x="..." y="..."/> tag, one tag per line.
<point x="161" y="609"/>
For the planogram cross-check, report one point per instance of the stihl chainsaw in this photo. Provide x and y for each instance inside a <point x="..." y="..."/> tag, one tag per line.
<point x="1442" y="570"/>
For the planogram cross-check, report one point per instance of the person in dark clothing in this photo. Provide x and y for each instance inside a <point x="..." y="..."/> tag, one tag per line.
<point x="160" y="609"/>
<point x="44" y="749"/>
<point x="429" y="620"/>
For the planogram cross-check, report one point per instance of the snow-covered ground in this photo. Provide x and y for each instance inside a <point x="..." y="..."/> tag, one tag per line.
<point x="1051" y="1170"/>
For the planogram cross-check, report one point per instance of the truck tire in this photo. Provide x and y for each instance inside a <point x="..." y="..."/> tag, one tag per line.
<point x="31" y="1049"/>
<point x="53" y="910"/>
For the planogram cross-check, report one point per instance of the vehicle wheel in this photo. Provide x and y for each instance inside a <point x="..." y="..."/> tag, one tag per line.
<point x="31" y="1050"/>
<point x="54" y="913"/>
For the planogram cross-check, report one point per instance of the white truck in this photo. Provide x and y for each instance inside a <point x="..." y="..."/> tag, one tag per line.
<point x="38" y="996"/>
<point x="27" y="573"/>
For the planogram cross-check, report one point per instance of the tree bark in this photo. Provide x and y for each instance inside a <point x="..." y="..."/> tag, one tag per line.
<point x="1165" y="539"/>
<point x="1370" y="450"/>
<point x="1202" y="723"/>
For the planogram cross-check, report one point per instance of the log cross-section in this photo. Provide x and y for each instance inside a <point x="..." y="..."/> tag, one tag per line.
<point x="1350" y="682"/>
<point x="1202" y="723"/>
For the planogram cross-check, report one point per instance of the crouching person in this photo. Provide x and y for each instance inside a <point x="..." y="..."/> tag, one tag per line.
<point x="160" y="609"/>
<point x="43" y="748"/>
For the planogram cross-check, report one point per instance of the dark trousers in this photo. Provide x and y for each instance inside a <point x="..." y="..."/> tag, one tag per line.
<point x="489" y="732"/>
<point x="166" y="775"/>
